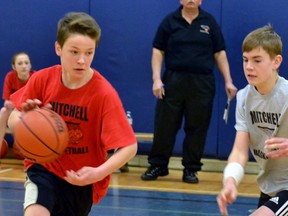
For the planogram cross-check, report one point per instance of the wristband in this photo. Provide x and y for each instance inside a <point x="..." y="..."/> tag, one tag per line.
<point x="234" y="170"/>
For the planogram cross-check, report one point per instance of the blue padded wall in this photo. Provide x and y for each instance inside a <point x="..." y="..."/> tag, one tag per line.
<point x="124" y="52"/>
<point x="31" y="26"/>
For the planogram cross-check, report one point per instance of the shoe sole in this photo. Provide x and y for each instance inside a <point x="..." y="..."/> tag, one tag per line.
<point x="146" y="178"/>
<point x="191" y="182"/>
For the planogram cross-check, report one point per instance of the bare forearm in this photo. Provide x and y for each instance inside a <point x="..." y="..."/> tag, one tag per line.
<point x="156" y="62"/>
<point x="118" y="159"/>
<point x="223" y="65"/>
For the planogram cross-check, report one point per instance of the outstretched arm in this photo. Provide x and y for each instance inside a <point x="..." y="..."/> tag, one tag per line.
<point x="234" y="171"/>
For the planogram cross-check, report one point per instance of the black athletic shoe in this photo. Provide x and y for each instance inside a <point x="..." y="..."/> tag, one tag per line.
<point x="153" y="172"/>
<point x="190" y="177"/>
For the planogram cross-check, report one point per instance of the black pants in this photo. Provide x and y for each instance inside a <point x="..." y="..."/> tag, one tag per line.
<point x="190" y="96"/>
<point x="57" y="195"/>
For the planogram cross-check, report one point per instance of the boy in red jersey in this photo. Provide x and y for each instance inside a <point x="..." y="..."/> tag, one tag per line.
<point x="95" y="118"/>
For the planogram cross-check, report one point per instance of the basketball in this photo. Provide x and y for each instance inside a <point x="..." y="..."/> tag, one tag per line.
<point x="4" y="149"/>
<point x="16" y="152"/>
<point x="41" y="135"/>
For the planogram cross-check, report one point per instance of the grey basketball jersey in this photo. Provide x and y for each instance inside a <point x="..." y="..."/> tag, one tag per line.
<point x="265" y="116"/>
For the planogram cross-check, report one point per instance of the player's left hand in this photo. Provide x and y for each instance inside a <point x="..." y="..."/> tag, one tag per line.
<point x="84" y="176"/>
<point x="276" y="147"/>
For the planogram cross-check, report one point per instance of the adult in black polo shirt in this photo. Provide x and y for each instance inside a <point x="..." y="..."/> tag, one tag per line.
<point x="190" y="41"/>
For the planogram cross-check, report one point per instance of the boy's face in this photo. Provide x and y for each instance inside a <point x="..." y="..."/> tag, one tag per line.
<point x="260" y="70"/>
<point x="76" y="55"/>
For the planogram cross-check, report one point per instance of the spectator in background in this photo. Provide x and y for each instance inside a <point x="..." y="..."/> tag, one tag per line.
<point x="190" y="41"/>
<point x="14" y="80"/>
<point x="18" y="77"/>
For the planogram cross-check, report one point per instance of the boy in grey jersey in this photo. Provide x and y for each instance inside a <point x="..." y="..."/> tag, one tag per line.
<point x="262" y="125"/>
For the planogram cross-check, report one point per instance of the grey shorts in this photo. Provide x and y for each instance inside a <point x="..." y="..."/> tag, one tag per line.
<point x="58" y="196"/>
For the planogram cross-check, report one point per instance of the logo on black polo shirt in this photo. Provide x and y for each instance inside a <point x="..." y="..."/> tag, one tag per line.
<point x="205" y="29"/>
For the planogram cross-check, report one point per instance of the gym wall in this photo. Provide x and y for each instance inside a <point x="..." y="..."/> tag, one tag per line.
<point x="124" y="52"/>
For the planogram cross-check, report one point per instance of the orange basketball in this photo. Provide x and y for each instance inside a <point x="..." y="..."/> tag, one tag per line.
<point x="41" y="135"/>
<point x="4" y="149"/>
<point x="16" y="152"/>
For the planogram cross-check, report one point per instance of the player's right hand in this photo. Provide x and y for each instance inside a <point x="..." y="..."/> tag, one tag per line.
<point x="31" y="104"/>
<point x="227" y="196"/>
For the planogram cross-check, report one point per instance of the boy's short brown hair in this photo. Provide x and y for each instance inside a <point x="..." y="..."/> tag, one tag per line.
<point x="266" y="38"/>
<point x="77" y="23"/>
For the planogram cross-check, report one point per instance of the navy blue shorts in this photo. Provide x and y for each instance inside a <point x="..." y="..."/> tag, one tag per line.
<point x="57" y="195"/>
<point x="278" y="204"/>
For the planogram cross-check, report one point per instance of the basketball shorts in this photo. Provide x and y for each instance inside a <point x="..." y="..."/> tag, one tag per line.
<point x="58" y="196"/>
<point x="278" y="204"/>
